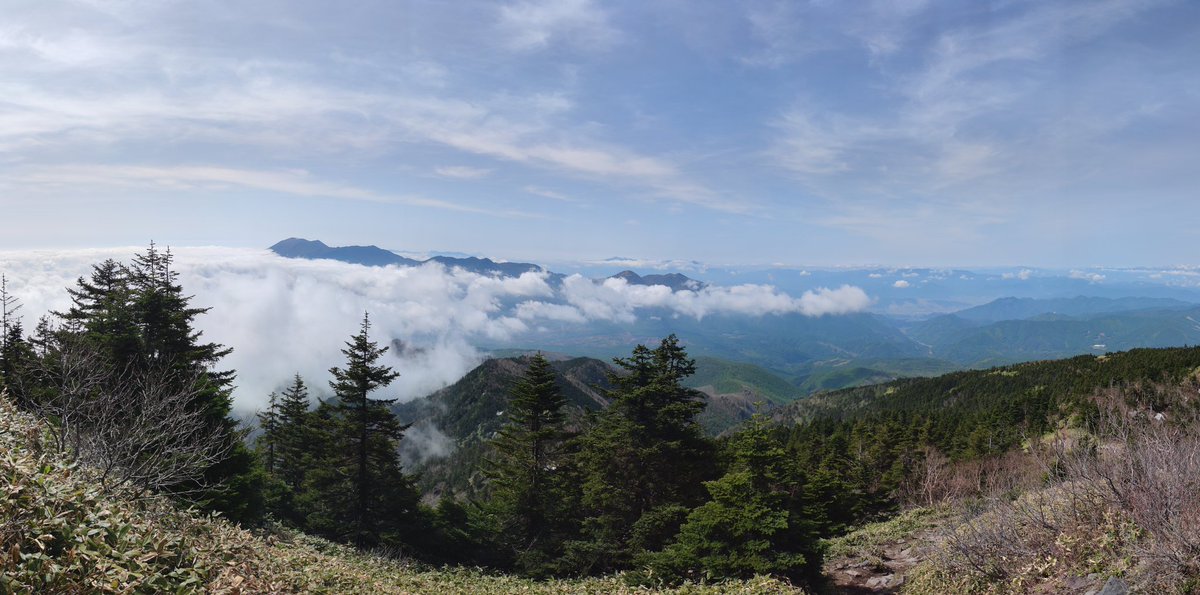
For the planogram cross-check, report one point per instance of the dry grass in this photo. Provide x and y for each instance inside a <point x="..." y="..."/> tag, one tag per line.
<point x="1124" y="501"/>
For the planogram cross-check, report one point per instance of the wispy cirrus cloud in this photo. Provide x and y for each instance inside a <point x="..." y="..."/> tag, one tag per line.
<point x="462" y="172"/>
<point x="531" y="25"/>
<point x="969" y="121"/>
<point x="201" y="178"/>
<point x="134" y="89"/>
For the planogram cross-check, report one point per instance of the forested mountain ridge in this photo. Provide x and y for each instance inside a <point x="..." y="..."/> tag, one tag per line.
<point x="468" y="413"/>
<point x="1044" y="384"/>
<point x="1013" y="308"/>
<point x="1052" y="335"/>
<point x="464" y="416"/>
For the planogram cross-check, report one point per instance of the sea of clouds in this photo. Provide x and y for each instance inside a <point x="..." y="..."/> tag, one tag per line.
<point x="285" y="316"/>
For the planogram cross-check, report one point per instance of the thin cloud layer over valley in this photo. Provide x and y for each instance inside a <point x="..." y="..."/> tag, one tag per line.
<point x="284" y="316"/>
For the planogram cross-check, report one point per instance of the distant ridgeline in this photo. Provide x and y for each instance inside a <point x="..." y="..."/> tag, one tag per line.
<point x="376" y="256"/>
<point x="1009" y="330"/>
<point x="832" y="352"/>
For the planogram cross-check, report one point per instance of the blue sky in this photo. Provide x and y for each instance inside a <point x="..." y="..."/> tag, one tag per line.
<point x="810" y="133"/>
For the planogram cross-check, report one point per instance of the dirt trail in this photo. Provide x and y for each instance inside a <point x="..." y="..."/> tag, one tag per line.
<point x="882" y="568"/>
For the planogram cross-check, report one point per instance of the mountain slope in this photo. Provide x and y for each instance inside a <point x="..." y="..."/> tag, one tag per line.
<point x="789" y="343"/>
<point x="1012" y="308"/>
<point x="1049" y="336"/>
<point x="465" y="415"/>
<point x="451" y="427"/>
<point x="1041" y="385"/>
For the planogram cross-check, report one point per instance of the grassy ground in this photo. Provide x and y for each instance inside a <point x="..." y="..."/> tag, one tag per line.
<point x="876" y="535"/>
<point x="60" y="534"/>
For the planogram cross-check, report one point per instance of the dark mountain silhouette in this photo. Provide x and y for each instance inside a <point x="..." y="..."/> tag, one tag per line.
<point x="487" y="266"/>
<point x="675" y="281"/>
<point x="376" y="256"/>
<point x="365" y="255"/>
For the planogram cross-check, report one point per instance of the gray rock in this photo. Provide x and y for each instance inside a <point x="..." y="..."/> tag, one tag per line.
<point x="1115" y="586"/>
<point x="887" y="581"/>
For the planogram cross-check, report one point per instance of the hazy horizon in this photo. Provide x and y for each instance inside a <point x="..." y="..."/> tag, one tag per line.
<point x="627" y="260"/>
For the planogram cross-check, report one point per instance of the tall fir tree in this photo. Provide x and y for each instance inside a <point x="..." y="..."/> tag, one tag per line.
<point x="644" y="462"/>
<point x="378" y="500"/>
<point x="268" y="441"/>
<point x="289" y="445"/>
<point x="293" y="433"/>
<point x="525" y="471"/>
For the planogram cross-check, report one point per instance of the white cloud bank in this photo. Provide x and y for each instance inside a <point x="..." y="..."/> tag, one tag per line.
<point x="616" y="299"/>
<point x="1086" y="276"/>
<point x="284" y="316"/>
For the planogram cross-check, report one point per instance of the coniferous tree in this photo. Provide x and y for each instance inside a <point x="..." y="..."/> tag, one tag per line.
<point x="526" y="482"/>
<point x="102" y="309"/>
<point x="268" y="441"/>
<point x="9" y="306"/>
<point x="759" y="519"/>
<point x="137" y="319"/>
<point x="15" y="351"/>
<point x="644" y="462"/>
<point x="288" y="446"/>
<point x="292" y="444"/>
<point x="372" y="500"/>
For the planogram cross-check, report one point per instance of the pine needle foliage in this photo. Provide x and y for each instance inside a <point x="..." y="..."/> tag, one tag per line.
<point x="365" y="497"/>
<point x="527" y="470"/>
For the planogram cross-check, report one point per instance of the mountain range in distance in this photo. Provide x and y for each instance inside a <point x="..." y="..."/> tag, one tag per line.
<point x="376" y="256"/>
<point x="922" y="322"/>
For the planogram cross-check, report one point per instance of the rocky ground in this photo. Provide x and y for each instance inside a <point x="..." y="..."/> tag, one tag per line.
<point x="881" y="567"/>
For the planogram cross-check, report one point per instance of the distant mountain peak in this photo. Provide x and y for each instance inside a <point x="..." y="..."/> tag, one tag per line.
<point x="364" y="255"/>
<point x="675" y="281"/>
<point x="487" y="266"/>
<point x="298" y="244"/>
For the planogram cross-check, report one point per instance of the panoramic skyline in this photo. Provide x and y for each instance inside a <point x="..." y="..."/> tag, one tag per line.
<point x="925" y="133"/>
